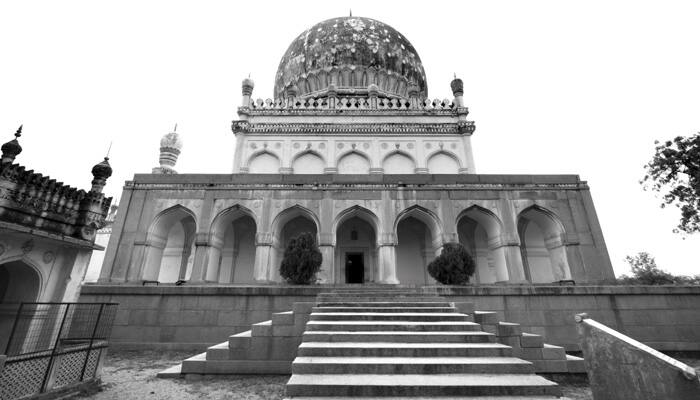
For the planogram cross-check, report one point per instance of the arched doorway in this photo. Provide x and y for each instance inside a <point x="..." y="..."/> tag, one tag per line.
<point x="232" y="247"/>
<point x="356" y="254"/>
<point x="289" y="224"/>
<point x="19" y="282"/>
<point x="419" y="238"/>
<point x="479" y="231"/>
<point x="170" y="242"/>
<point x="542" y="246"/>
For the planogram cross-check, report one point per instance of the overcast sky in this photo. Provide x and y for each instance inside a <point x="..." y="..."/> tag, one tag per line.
<point x="554" y="87"/>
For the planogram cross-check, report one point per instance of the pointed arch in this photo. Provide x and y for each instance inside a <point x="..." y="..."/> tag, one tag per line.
<point x="353" y="161"/>
<point x="356" y="257"/>
<point x="429" y="218"/>
<point x="398" y="162"/>
<point x="355" y="211"/>
<point x="443" y="162"/>
<point x="231" y="252"/>
<point x="308" y="162"/>
<point x="418" y="232"/>
<point x="30" y="273"/>
<point x="542" y="245"/>
<point x="480" y="232"/>
<point x="289" y="213"/>
<point x="484" y="217"/>
<point x="287" y="224"/>
<point x="263" y="162"/>
<point x="170" y="243"/>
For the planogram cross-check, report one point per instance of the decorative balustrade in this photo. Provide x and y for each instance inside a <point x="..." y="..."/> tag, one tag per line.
<point x="353" y="103"/>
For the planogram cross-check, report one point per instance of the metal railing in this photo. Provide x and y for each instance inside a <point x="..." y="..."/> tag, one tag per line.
<point x="54" y="345"/>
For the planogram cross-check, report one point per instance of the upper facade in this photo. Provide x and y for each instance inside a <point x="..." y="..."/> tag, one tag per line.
<point x="351" y="98"/>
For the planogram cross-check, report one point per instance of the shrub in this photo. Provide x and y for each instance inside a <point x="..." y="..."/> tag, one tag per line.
<point x="454" y="266"/>
<point x="646" y="272"/>
<point x="302" y="260"/>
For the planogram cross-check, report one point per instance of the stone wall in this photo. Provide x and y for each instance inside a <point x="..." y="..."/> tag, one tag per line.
<point x="193" y="317"/>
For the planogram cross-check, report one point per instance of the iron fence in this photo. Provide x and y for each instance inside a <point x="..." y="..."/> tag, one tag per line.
<point x="54" y="345"/>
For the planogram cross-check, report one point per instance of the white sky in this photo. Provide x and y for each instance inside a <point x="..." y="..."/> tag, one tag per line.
<point x="554" y="87"/>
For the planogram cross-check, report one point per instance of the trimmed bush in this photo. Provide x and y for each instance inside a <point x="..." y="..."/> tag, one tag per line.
<point x="301" y="261"/>
<point x="454" y="266"/>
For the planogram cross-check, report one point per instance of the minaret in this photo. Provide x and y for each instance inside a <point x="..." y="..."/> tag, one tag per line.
<point x="11" y="149"/>
<point x="457" y="87"/>
<point x="100" y="173"/>
<point x="170" y="146"/>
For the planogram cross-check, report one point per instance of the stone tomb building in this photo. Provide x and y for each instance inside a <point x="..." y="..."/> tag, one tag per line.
<point x="47" y="235"/>
<point x="352" y="149"/>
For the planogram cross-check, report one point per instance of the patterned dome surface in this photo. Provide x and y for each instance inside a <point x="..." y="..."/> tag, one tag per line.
<point x="351" y="53"/>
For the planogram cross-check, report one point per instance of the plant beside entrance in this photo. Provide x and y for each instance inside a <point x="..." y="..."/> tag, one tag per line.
<point x="454" y="265"/>
<point x="301" y="261"/>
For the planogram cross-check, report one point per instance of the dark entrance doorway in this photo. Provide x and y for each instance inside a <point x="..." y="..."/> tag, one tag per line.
<point x="354" y="268"/>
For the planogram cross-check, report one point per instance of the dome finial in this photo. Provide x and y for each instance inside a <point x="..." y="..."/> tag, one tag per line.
<point x="175" y="128"/>
<point x="11" y="149"/>
<point x="351" y="12"/>
<point x="100" y="173"/>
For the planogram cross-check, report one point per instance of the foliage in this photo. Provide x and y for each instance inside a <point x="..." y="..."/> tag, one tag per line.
<point x="675" y="171"/>
<point x="646" y="272"/>
<point x="454" y="266"/>
<point x="301" y="261"/>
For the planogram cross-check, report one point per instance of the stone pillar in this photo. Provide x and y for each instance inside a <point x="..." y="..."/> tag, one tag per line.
<point x="327" y="275"/>
<point x="263" y="253"/>
<point x="387" y="264"/>
<point x="201" y="258"/>
<point x="514" y="262"/>
<point x="500" y="263"/>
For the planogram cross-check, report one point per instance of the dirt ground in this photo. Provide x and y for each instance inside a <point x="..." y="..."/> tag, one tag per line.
<point x="132" y="375"/>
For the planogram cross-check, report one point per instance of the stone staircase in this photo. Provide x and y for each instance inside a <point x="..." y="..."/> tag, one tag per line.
<point x="405" y="343"/>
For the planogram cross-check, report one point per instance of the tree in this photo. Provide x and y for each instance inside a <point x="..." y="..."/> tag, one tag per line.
<point x="301" y="261"/>
<point x="675" y="171"/>
<point x="454" y="265"/>
<point x="646" y="272"/>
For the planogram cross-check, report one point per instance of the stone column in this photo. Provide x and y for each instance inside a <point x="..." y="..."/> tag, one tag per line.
<point x="514" y="262"/>
<point x="201" y="258"/>
<point x="263" y="253"/>
<point x="327" y="275"/>
<point x="387" y="264"/>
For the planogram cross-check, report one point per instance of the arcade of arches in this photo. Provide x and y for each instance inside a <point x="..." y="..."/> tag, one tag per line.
<point x="357" y="246"/>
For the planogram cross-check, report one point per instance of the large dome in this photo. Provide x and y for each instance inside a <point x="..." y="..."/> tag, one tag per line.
<point x="350" y="53"/>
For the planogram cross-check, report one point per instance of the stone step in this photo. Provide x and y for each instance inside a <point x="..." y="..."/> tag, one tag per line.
<point x="385" y="293"/>
<point x="411" y="365"/>
<point x="399" y="336"/>
<point x="384" y="309"/>
<point x="377" y="316"/>
<point x="397" y="299"/>
<point x="420" y="385"/>
<point x="394" y="349"/>
<point x="412" y="326"/>
<point x="370" y="304"/>
<point x="432" y="398"/>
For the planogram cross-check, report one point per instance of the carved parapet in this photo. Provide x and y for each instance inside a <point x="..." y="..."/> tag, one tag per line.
<point x="33" y="200"/>
<point x="466" y="127"/>
<point x="240" y="126"/>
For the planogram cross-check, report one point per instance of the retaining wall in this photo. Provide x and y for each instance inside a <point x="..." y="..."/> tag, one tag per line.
<point x="666" y="318"/>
